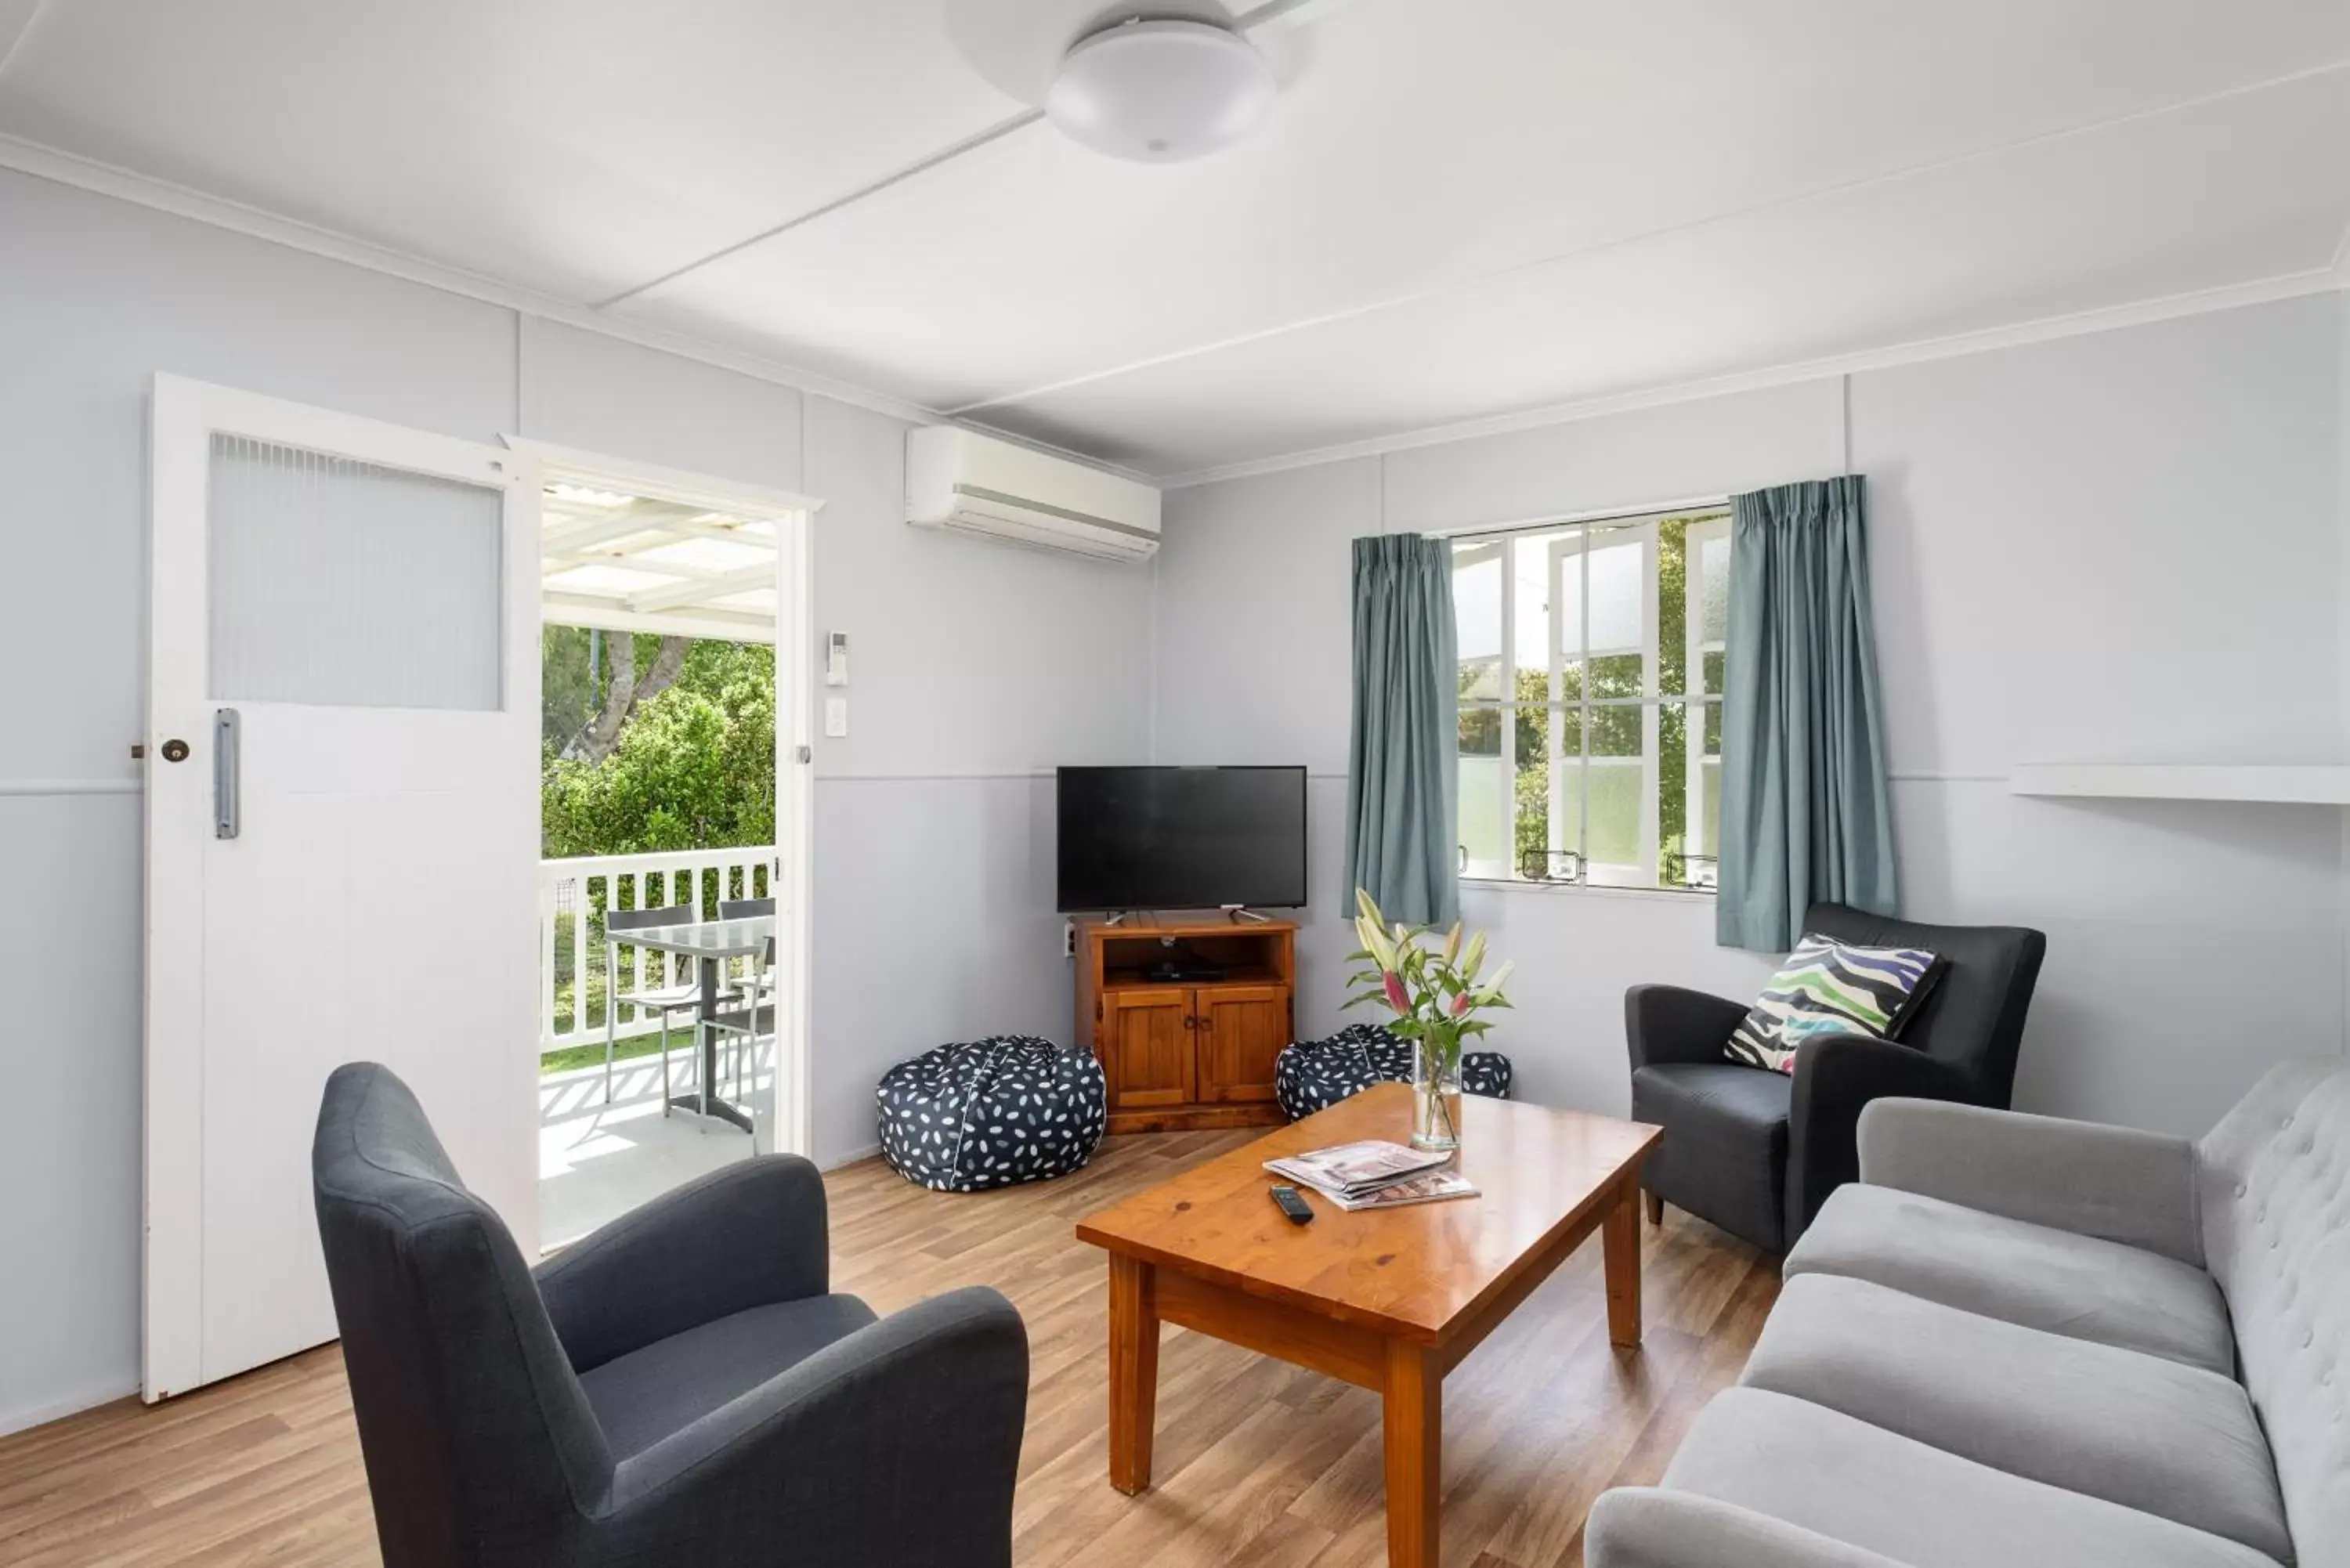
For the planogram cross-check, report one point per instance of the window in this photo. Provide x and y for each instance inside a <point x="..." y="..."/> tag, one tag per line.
<point x="1590" y="697"/>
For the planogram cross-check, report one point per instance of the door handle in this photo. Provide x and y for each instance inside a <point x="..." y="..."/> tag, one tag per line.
<point x="225" y="781"/>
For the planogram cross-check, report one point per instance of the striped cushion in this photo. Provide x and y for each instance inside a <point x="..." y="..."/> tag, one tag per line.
<point x="1831" y="988"/>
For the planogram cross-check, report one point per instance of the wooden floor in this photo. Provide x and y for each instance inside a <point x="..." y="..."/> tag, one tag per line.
<point x="1259" y="1465"/>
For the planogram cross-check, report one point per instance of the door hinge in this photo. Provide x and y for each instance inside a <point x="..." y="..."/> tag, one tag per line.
<point x="804" y="753"/>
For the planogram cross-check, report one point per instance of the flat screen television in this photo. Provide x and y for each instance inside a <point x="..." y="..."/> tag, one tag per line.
<point x="1181" y="839"/>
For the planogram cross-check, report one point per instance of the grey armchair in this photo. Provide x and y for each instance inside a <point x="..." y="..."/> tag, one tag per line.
<point x="1757" y="1152"/>
<point x="680" y="1386"/>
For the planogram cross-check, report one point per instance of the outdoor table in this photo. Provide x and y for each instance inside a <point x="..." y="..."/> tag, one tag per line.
<point x="712" y="943"/>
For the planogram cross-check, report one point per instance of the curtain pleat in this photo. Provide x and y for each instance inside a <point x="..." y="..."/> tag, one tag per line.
<point x="1403" y="771"/>
<point x="1805" y="808"/>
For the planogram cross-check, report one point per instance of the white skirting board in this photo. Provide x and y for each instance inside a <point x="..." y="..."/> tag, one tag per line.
<point x="2312" y="786"/>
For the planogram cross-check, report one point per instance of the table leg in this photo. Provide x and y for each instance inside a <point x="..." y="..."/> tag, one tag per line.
<point x="1133" y="1370"/>
<point x="707" y="1011"/>
<point x="1620" y="1247"/>
<point x="1412" y="1418"/>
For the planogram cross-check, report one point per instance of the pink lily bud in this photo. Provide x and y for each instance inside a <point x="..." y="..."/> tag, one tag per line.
<point x="1396" y="998"/>
<point x="1463" y="1003"/>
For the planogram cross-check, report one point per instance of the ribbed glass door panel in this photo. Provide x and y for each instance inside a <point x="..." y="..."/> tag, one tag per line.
<point x="337" y="583"/>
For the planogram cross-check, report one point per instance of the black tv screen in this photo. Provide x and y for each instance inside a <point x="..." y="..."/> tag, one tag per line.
<point x="1181" y="839"/>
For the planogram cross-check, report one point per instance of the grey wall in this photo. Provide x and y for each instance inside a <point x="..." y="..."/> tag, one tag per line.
<point x="2199" y="467"/>
<point x="2119" y="547"/>
<point x="975" y="669"/>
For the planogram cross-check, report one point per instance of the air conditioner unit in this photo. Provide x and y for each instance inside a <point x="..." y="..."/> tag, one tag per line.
<point x="961" y="480"/>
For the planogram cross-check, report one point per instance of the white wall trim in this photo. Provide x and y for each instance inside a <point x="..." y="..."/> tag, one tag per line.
<point x="2342" y="259"/>
<point x="45" y="162"/>
<point x="861" y="1152"/>
<point x="976" y="776"/>
<point x="71" y="786"/>
<point x="2105" y="319"/>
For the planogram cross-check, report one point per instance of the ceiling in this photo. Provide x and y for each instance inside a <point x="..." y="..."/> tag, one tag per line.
<point x="1461" y="209"/>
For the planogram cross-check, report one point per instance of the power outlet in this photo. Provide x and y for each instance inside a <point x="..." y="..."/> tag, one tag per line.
<point x="1068" y="939"/>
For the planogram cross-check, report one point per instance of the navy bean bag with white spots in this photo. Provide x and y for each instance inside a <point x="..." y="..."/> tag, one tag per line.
<point x="992" y="1113"/>
<point x="1315" y="1074"/>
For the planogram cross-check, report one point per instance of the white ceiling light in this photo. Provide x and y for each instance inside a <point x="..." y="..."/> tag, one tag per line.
<point x="1158" y="92"/>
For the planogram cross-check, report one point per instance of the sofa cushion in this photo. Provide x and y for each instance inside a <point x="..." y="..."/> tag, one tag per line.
<point x="2019" y="1273"/>
<point x="643" y="1396"/>
<point x="1825" y="1471"/>
<point x="1827" y="987"/>
<point x="2275" y="1199"/>
<point x="1724" y="1153"/>
<point x="2140" y="1430"/>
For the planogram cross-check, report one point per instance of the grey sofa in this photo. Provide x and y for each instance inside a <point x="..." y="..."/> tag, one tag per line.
<point x="681" y="1386"/>
<point x="2023" y="1341"/>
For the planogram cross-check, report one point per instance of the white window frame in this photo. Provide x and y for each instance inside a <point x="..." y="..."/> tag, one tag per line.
<point x="1573" y="541"/>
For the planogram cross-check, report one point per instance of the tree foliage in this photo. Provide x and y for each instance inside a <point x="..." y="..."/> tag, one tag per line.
<point x="690" y="766"/>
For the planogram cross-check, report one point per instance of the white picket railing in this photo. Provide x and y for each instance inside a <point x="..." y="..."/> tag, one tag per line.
<point x="572" y="898"/>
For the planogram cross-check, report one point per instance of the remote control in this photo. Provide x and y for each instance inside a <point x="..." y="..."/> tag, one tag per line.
<point x="1291" y="1204"/>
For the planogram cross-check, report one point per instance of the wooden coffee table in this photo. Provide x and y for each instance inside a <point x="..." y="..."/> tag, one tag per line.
<point x="1388" y="1301"/>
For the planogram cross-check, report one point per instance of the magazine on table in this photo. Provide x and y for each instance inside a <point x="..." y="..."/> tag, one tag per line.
<point x="1428" y="1187"/>
<point x="1350" y="1169"/>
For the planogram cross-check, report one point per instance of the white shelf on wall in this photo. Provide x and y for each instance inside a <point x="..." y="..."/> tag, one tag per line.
<point x="2320" y="785"/>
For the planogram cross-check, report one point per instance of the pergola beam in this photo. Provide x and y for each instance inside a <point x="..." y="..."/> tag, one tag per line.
<point x="743" y="579"/>
<point x="728" y="626"/>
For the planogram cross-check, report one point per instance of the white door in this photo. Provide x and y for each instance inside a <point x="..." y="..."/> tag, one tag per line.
<point x="342" y="838"/>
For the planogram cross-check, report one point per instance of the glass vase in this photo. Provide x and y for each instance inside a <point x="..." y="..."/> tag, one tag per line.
<point x="1435" y="1097"/>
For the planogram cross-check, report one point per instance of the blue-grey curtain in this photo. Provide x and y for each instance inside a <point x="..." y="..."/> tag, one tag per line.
<point x="1804" y="807"/>
<point x="1402" y="767"/>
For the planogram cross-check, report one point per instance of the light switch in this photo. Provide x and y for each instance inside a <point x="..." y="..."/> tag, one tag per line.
<point x="835" y="718"/>
<point x="835" y="660"/>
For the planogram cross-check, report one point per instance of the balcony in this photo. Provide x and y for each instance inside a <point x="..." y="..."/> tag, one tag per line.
<point x="599" y="1158"/>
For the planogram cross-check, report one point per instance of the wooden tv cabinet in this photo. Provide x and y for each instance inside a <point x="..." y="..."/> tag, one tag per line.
<point x="1187" y="1053"/>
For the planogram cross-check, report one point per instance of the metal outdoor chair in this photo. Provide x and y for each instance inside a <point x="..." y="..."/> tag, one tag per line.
<point x="663" y="999"/>
<point x="754" y="1016"/>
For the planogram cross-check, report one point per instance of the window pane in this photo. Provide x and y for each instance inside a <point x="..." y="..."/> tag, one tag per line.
<point x="1616" y="730"/>
<point x="1619" y="616"/>
<point x="1713" y="567"/>
<point x="1707" y="596"/>
<point x="1613" y="783"/>
<point x="1557" y="857"/>
<point x="1484" y="783"/>
<point x="1536" y="832"/>
<point x="1477" y="617"/>
<point x="1688" y="797"/>
<point x="341" y="584"/>
<point x="1620" y="780"/>
<point x="1672" y="606"/>
<point x="1615" y="675"/>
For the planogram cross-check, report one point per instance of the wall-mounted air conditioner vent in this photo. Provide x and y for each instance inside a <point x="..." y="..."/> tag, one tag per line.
<point x="957" y="479"/>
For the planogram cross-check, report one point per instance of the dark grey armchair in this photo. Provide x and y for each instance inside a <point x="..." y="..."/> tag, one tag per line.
<point x="679" y="1387"/>
<point x="1757" y="1152"/>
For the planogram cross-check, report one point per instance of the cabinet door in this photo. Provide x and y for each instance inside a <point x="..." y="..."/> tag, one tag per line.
<point x="1241" y="1030"/>
<point x="1149" y="1037"/>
